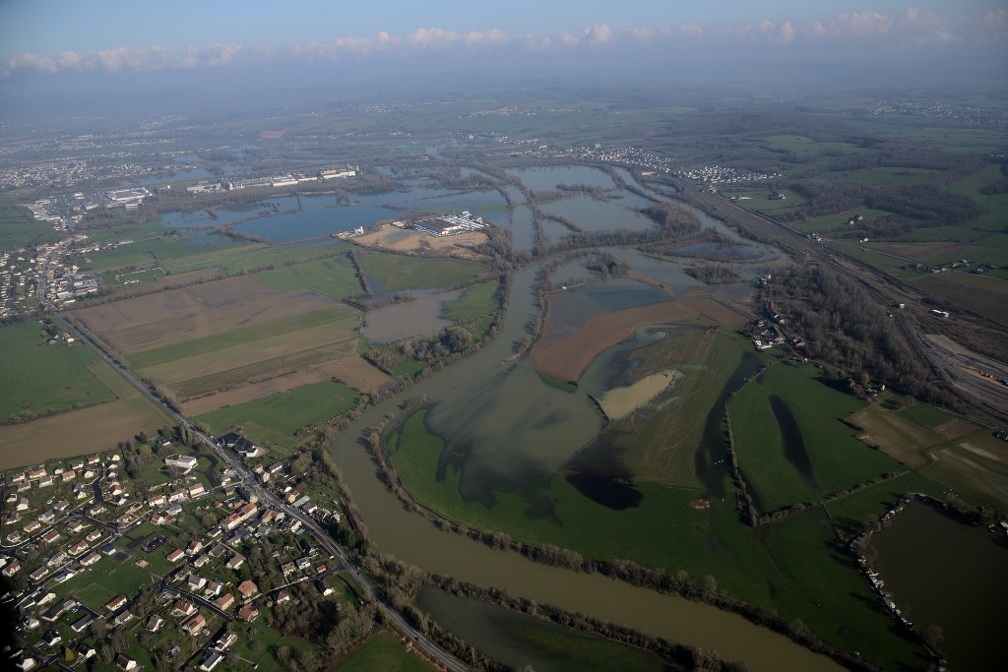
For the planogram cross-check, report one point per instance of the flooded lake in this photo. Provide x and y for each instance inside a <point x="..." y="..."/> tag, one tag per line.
<point x="946" y="574"/>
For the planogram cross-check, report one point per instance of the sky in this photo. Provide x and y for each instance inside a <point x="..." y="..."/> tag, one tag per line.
<point x="44" y="40"/>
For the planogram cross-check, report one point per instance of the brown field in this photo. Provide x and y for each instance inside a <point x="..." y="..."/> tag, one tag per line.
<point x="291" y="381"/>
<point x="393" y="238"/>
<point x="978" y="464"/>
<point x="246" y="354"/>
<point x="566" y="358"/>
<point x="897" y="437"/>
<point x="178" y="315"/>
<point x="917" y="251"/>
<point x="179" y="279"/>
<point x="257" y="372"/>
<point x="89" y="430"/>
<point x="357" y="373"/>
<point x="352" y="371"/>
<point x="955" y="428"/>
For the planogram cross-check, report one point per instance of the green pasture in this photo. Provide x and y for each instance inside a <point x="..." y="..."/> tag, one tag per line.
<point x="38" y="377"/>
<point x="789" y="566"/>
<point x="394" y="272"/>
<point x="286" y="412"/>
<point x="661" y="447"/>
<point x="969" y="140"/>
<point x="981" y="294"/>
<point x="926" y="415"/>
<point x="885" y="174"/>
<point x="805" y="146"/>
<point x="106" y="579"/>
<point x="156" y="249"/>
<point x="335" y="277"/>
<point x="476" y="302"/>
<point x="883" y="262"/>
<point x="838" y="222"/>
<point x="995" y="219"/>
<point x="384" y="652"/>
<point x="18" y="230"/>
<point x="251" y="256"/>
<point x="476" y="308"/>
<point x="198" y="351"/>
<point x="839" y="460"/>
<point x="562" y="385"/>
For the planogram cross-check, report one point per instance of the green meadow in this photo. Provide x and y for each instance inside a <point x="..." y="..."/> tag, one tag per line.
<point x="839" y="460"/>
<point x="788" y="566"/>
<point x="40" y="378"/>
<point x="286" y="412"/>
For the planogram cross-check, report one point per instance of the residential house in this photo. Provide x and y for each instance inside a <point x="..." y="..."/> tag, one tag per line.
<point x="248" y="613"/>
<point x="194" y="625"/>
<point x="154" y="623"/>
<point x="116" y="603"/>
<point x="225" y="601"/>
<point x="183" y="608"/>
<point x="125" y="663"/>
<point x="176" y="555"/>
<point x="247" y="589"/>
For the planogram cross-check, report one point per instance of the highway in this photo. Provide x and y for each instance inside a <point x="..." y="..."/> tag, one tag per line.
<point x="268" y="497"/>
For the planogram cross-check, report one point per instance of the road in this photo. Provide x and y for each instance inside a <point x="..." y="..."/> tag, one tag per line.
<point x="267" y="496"/>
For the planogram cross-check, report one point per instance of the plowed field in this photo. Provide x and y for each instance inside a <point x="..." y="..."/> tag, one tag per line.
<point x="567" y="357"/>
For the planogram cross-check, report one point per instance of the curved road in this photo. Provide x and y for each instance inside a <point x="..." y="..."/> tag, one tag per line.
<point x="267" y="496"/>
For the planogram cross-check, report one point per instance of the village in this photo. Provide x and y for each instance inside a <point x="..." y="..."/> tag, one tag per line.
<point x="158" y="555"/>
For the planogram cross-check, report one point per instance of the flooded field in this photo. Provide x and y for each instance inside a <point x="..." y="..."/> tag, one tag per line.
<point x="510" y="436"/>
<point x="284" y="219"/>
<point x="946" y="575"/>
<point x="421" y="317"/>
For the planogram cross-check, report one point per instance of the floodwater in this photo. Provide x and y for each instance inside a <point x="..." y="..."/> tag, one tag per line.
<point x="942" y="572"/>
<point x="512" y="638"/>
<point x="507" y="429"/>
<point x="713" y="463"/>
<point x="793" y="443"/>
<point x="591" y="215"/>
<point x="281" y="219"/>
<point x="420" y="317"/>
<point x="546" y="178"/>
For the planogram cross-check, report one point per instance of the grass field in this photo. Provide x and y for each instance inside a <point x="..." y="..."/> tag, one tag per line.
<point x="144" y="252"/>
<point x="259" y="336"/>
<point x="476" y="308"/>
<point x="393" y="272"/>
<point x="89" y="430"/>
<point x="838" y="459"/>
<point x="105" y="580"/>
<point x="980" y="294"/>
<point x="885" y="174"/>
<point x="661" y="446"/>
<point x="926" y="415"/>
<point x="18" y="230"/>
<point x="38" y="377"/>
<point x="384" y="652"/>
<point x="839" y="221"/>
<point x="787" y="566"/>
<point x="335" y="277"/>
<point x="286" y="412"/>
<point x="896" y="436"/>
<point x="247" y="257"/>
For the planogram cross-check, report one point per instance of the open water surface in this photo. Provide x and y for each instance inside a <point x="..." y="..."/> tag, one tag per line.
<point x="942" y="572"/>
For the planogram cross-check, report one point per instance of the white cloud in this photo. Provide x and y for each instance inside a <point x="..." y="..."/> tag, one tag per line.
<point x="909" y="29"/>
<point x="599" y="34"/>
